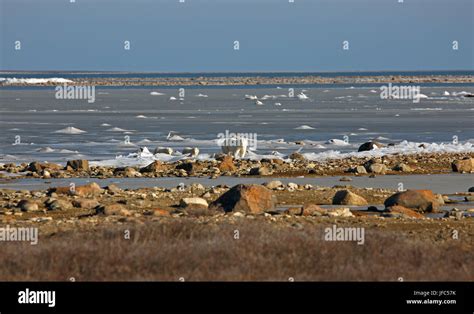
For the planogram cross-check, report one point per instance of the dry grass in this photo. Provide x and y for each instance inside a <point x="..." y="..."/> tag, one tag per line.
<point x="168" y="251"/>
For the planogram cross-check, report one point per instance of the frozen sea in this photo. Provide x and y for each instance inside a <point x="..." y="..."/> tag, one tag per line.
<point x="37" y="126"/>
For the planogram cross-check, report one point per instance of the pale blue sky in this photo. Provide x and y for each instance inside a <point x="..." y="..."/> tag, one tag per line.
<point x="274" y="35"/>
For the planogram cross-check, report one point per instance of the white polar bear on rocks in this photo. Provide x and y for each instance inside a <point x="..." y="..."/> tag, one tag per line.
<point x="192" y="151"/>
<point x="235" y="146"/>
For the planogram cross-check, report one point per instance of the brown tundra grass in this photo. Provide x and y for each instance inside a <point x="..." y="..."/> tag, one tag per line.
<point x="209" y="252"/>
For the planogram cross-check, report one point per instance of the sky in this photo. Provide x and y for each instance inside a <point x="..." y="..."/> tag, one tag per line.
<point x="201" y="35"/>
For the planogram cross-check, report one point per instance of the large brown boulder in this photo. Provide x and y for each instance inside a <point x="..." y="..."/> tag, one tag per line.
<point x="227" y="164"/>
<point x="463" y="165"/>
<point x="36" y="166"/>
<point x="249" y="198"/>
<point x="90" y="189"/>
<point x="112" y="210"/>
<point x="190" y="167"/>
<point x="79" y="164"/>
<point x="155" y="166"/>
<point x="86" y="203"/>
<point x="419" y="200"/>
<point x="260" y="171"/>
<point x="346" y="197"/>
<point x="400" y="211"/>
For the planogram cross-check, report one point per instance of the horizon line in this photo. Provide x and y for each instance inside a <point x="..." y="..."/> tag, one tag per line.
<point x="230" y="72"/>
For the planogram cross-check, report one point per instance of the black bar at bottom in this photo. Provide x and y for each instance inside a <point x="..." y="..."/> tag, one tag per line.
<point x="394" y="297"/>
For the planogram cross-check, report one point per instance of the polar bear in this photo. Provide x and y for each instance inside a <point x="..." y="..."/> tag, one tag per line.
<point x="235" y="146"/>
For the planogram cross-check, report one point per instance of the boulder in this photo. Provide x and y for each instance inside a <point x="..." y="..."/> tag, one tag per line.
<point x="465" y="165"/>
<point x="227" y="164"/>
<point x="360" y="170"/>
<point x="403" y="168"/>
<point x="191" y="151"/>
<point x="274" y="185"/>
<point x="131" y="172"/>
<point x="58" y="204"/>
<point x="248" y="198"/>
<point x="306" y="210"/>
<point x="112" y="210"/>
<point x="155" y="166"/>
<point x="346" y="197"/>
<point x="454" y="213"/>
<point x="293" y="211"/>
<point x="197" y="187"/>
<point x="291" y="186"/>
<point x="128" y="172"/>
<point x="38" y="166"/>
<point x="113" y="189"/>
<point x="79" y="164"/>
<point x="260" y="171"/>
<point x="469" y="198"/>
<point x="338" y="212"/>
<point x="419" y="200"/>
<point x="297" y="156"/>
<point x="35" y="167"/>
<point x="163" y="150"/>
<point x="85" y="203"/>
<point x="90" y="189"/>
<point x="277" y="161"/>
<point x="194" y="202"/>
<point x="161" y="212"/>
<point x="377" y="168"/>
<point x="28" y="206"/>
<point x="345" y="179"/>
<point x="400" y="211"/>
<point x="370" y="146"/>
<point x="190" y="167"/>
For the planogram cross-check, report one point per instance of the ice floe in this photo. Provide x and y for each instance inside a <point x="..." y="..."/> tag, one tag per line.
<point x="70" y="130"/>
<point x="33" y="81"/>
<point x="304" y="127"/>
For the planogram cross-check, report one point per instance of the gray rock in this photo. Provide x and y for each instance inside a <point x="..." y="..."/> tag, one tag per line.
<point x="28" y="206"/>
<point x="360" y="170"/>
<point x="195" y="202"/>
<point x="377" y="168"/>
<point x="274" y="185"/>
<point x="59" y="205"/>
<point x="346" y="197"/>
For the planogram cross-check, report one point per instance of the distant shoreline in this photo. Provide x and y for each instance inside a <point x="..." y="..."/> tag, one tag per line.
<point x="235" y="79"/>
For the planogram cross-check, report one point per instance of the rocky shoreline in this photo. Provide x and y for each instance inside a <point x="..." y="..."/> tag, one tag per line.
<point x="224" y="165"/>
<point x="258" y="80"/>
<point x="93" y="203"/>
<point x="86" y="224"/>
